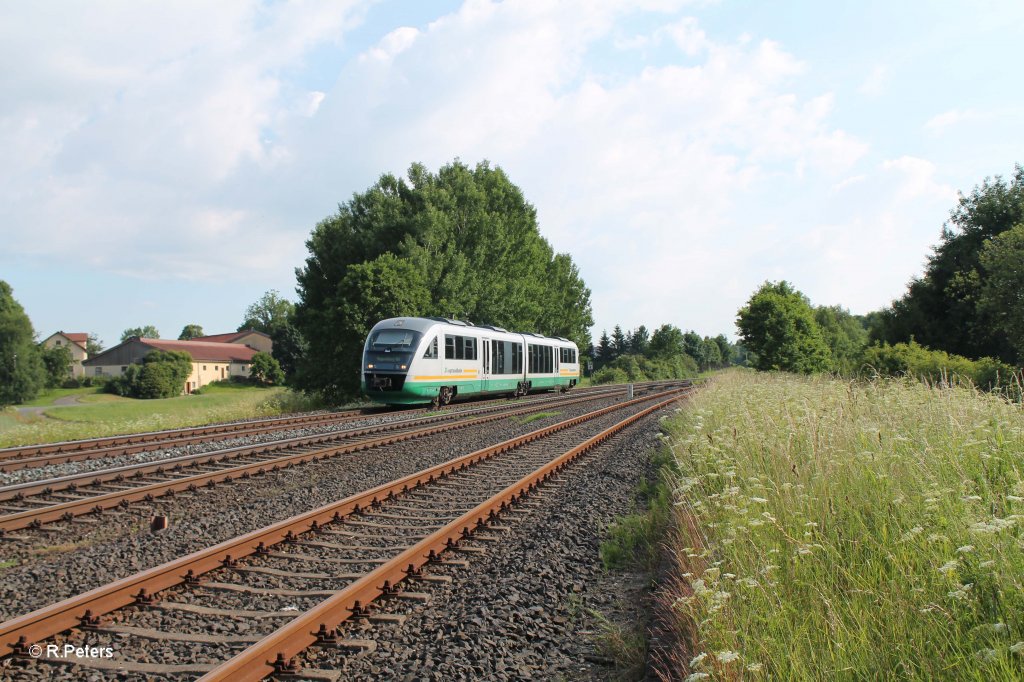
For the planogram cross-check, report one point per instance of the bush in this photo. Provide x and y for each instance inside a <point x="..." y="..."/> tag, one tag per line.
<point x="914" y="360"/>
<point x="610" y="375"/>
<point x="265" y="369"/>
<point x="162" y="374"/>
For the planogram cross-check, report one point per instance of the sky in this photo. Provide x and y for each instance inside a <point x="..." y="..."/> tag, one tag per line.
<point x="164" y="163"/>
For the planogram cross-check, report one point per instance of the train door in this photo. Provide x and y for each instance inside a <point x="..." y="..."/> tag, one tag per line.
<point x="486" y="375"/>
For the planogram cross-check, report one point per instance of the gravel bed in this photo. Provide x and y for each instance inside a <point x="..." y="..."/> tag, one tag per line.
<point x="523" y="610"/>
<point x="92" y="554"/>
<point x="299" y="431"/>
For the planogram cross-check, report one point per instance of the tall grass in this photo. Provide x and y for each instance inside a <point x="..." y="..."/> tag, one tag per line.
<point x="848" y="530"/>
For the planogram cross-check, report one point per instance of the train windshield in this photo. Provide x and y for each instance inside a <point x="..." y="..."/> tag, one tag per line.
<point x="393" y="340"/>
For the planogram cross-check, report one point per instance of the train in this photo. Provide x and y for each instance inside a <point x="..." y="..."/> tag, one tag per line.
<point x="416" y="360"/>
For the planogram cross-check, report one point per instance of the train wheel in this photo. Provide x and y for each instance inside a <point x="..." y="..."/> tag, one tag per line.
<point x="445" y="395"/>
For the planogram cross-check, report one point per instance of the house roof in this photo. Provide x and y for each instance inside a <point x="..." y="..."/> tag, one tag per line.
<point x="199" y="350"/>
<point x="79" y="338"/>
<point x="229" y="338"/>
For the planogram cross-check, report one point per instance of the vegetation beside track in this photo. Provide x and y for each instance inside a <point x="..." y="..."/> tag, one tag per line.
<point x="105" y="415"/>
<point x="850" y="529"/>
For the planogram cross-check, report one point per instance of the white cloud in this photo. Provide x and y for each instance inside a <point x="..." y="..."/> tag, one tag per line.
<point x="940" y="122"/>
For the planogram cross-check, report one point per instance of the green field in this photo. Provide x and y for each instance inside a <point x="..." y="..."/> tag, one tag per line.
<point x="848" y="530"/>
<point x="103" y="414"/>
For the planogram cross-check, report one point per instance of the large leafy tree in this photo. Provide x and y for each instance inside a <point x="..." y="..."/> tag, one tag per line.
<point x="1002" y="296"/>
<point x="22" y="373"/>
<point x="667" y="342"/>
<point x="778" y="325"/>
<point x="640" y="340"/>
<point x="942" y="309"/>
<point x="462" y="242"/>
<point x="147" y="332"/>
<point x="844" y="334"/>
<point x="57" y="361"/>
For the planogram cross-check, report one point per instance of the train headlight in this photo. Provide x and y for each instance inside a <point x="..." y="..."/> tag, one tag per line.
<point x="404" y="367"/>
<point x="370" y="366"/>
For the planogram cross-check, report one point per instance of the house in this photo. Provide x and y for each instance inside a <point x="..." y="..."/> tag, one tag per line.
<point x="76" y="342"/>
<point x="247" y="337"/>
<point x="211" y="360"/>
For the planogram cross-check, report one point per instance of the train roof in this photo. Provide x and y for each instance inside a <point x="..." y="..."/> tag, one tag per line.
<point x="422" y="324"/>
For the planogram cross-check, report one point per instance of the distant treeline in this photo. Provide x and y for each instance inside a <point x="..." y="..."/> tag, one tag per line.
<point x="964" y="318"/>
<point x="668" y="353"/>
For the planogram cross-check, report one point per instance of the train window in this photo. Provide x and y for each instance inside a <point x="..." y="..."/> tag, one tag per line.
<point x="449" y="347"/>
<point x="431" y="350"/>
<point x="460" y="347"/>
<point x="517" y="359"/>
<point x="469" y="343"/>
<point x="402" y="338"/>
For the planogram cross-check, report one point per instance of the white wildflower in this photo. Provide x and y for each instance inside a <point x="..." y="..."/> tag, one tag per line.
<point x="987" y="564"/>
<point x="712" y="573"/>
<point x="971" y="498"/>
<point x="910" y="534"/>
<point x="949" y="566"/>
<point x="1017" y="648"/>
<point x="727" y="656"/>
<point x="693" y="677"/>
<point x="697" y="660"/>
<point x="758" y="499"/>
<point x="987" y="655"/>
<point x="756" y="667"/>
<point x="1015" y="498"/>
<point x="965" y="549"/>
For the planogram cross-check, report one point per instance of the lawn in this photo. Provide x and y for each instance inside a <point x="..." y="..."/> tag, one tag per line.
<point x="103" y="414"/>
<point x="848" y="530"/>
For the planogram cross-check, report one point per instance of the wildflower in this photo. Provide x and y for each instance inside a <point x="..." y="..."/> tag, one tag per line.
<point x="971" y="498"/>
<point x="987" y="564"/>
<point x="986" y="655"/>
<point x="693" y="677"/>
<point x="697" y="660"/>
<point x="1017" y="648"/>
<point x="949" y="566"/>
<point x="758" y="499"/>
<point x="727" y="656"/>
<point x="910" y="534"/>
<point x="712" y="573"/>
<point x="756" y="667"/>
<point x="965" y="549"/>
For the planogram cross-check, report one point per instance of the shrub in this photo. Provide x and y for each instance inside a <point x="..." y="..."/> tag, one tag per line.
<point x="610" y="375"/>
<point x="265" y="369"/>
<point x="162" y="374"/>
<point x="914" y="360"/>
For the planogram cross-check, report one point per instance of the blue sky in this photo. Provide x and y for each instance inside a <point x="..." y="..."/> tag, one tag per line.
<point x="165" y="164"/>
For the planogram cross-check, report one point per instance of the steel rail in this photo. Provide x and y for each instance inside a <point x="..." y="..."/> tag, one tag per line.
<point x="22" y="457"/>
<point x="96" y="504"/>
<point x="276" y="651"/>
<point x="17" y="633"/>
<point x="72" y="482"/>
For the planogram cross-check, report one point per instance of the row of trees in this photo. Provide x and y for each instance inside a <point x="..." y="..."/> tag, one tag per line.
<point x="964" y="316"/>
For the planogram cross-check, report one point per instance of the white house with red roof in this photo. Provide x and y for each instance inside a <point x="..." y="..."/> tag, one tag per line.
<point x="211" y="360"/>
<point x="76" y="342"/>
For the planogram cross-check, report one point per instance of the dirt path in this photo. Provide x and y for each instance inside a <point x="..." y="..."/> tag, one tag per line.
<point x="40" y="411"/>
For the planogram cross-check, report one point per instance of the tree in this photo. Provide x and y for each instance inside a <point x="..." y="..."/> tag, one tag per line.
<point x="268" y="314"/>
<point x="641" y="340"/>
<point x="725" y="349"/>
<point x="462" y="241"/>
<point x="605" y="353"/>
<point x="22" y="373"/>
<point x="710" y="354"/>
<point x="693" y="345"/>
<point x="147" y="332"/>
<point x="57" y="361"/>
<point x="619" y="345"/>
<point x="778" y="325"/>
<point x="844" y="335"/>
<point x="93" y="345"/>
<point x="667" y="342"/>
<point x="264" y="369"/>
<point x="190" y="331"/>
<point x="1002" y="295"/>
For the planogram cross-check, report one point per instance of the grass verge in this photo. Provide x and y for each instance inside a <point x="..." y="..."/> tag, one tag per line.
<point x="528" y="418"/>
<point x="104" y="414"/>
<point x="850" y="530"/>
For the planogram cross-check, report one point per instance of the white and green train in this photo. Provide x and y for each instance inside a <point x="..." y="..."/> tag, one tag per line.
<point x="410" y="360"/>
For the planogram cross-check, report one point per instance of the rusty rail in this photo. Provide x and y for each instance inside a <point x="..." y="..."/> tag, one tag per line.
<point x="18" y="633"/>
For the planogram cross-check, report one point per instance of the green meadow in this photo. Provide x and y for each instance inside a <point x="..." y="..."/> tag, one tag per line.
<point x="103" y="414"/>
<point x="848" y="530"/>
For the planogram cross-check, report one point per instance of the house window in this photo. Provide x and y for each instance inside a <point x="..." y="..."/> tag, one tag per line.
<point x="124" y="367"/>
<point x="99" y="371"/>
<point x="204" y="368"/>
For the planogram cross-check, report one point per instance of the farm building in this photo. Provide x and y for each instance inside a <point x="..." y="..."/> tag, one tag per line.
<point x="76" y="343"/>
<point x="247" y="337"/>
<point x="211" y="360"/>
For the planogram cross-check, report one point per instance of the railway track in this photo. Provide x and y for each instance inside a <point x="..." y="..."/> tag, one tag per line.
<point x="308" y="574"/>
<point x="46" y="454"/>
<point x="32" y="504"/>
